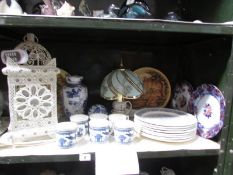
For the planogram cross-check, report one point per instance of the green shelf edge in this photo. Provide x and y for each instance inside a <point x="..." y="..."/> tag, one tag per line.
<point x="225" y="155"/>
<point x="115" y="24"/>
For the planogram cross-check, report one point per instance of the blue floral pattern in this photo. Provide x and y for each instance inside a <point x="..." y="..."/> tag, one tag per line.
<point x="66" y="139"/>
<point x="99" y="135"/>
<point x="124" y="136"/>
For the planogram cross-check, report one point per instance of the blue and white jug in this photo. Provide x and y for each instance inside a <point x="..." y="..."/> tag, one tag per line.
<point x="74" y="95"/>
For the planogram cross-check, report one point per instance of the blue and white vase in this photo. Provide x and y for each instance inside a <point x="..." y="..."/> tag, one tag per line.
<point x="74" y="95"/>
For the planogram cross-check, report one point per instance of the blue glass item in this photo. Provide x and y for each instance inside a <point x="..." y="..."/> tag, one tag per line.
<point x="97" y="108"/>
<point x="137" y="9"/>
<point x="74" y="95"/>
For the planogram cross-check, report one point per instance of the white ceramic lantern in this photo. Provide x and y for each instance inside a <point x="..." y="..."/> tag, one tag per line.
<point x="32" y="88"/>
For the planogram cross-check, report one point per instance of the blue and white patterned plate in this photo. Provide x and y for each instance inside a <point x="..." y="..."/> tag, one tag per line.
<point x="208" y="105"/>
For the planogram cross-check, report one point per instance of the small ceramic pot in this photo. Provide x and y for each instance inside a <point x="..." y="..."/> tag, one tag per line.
<point x="66" y="134"/>
<point x="82" y="122"/>
<point x="124" y="131"/>
<point x="99" y="130"/>
<point x="98" y="108"/>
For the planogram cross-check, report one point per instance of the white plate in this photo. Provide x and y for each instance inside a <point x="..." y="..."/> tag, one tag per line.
<point x="170" y="136"/>
<point x="140" y="124"/>
<point x="164" y="131"/>
<point x="164" y="139"/>
<point x="165" y="117"/>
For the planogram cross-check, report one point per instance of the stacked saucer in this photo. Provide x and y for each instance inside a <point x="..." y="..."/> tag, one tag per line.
<point x="165" y="124"/>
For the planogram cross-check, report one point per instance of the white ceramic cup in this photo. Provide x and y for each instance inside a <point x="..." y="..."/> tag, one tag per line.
<point x="98" y="116"/>
<point x="100" y="130"/>
<point x="124" y="131"/>
<point x="82" y="122"/>
<point x="66" y="134"/>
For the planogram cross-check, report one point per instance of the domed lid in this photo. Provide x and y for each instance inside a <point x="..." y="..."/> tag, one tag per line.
<point x="74" y="79"/>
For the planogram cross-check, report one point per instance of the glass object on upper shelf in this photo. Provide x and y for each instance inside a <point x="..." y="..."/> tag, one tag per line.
<point x="134" y="9"/>
<point x="173" y="16"/>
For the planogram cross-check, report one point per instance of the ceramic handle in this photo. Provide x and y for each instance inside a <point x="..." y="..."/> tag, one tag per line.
<point x="128" y="109"/>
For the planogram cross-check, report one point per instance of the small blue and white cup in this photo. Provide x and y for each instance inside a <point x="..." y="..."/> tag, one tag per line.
<point x="100" y="130"/>
<point x="66" y="134"/>
<point x="97" y="108"/>
<point x="98" y="116"/>
<point x="124" y="131"/>
<point x="82" y="122"/>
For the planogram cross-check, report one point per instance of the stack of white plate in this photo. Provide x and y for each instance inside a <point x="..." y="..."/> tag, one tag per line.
<point x="165" y="124"/>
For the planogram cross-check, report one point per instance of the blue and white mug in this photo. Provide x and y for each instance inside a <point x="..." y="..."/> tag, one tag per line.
<point x="66" y="134"/>
<point x="100" y="130"/>
<point x="124" y="131"/>
<point x="82" y="122"/>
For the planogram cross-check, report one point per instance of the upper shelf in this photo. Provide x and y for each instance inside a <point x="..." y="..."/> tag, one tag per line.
<point x="79" y="22"/>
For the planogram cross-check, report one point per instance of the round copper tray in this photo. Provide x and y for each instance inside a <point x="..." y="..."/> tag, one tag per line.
<point x="157" y="88"/>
